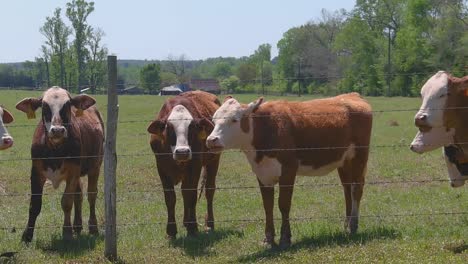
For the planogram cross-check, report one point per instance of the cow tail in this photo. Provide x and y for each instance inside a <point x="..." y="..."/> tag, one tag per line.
<point x="203" y="182"/>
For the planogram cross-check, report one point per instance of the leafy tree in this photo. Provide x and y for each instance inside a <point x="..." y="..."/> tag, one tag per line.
<point x="222" y="70"/>
<point x="78" y="12"/>
<point x="246" y="74"/>
<point x="150" y="77"/>
<point x="230" y="84"/>
<point x="96" y="65"/>
<point x="168" y="78"/>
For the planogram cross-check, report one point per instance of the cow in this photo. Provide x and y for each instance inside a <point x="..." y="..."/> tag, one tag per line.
<point x="282" y="139"/>
<point x="5" y="118"/>
<point x="442" y="121"/>
<point x="67" y="144"/>
<point x="178" y="136"/>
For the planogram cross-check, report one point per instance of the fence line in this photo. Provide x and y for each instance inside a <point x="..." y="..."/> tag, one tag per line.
<point x="225" y="151"/>
<point x="253" y="220"/>
<point x="238" y="187"/>
<point x="276" y="116"/>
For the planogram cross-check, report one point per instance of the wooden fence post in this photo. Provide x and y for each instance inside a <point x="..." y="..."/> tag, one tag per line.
<point x="110" y="161"/>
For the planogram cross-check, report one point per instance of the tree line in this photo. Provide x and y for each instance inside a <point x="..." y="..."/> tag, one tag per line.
<point x="380" y="47"/>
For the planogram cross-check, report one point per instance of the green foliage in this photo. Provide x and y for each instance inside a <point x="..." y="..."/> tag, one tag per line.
<point x="150" y="77"/>
<point x="246" y="74"/>
<point x="230" y="84"/>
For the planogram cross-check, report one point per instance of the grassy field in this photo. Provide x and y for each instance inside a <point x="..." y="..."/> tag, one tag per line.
<point x="401" y="221"/>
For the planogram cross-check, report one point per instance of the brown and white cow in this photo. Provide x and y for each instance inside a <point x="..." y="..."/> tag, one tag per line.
<point x="5" y="118"/>
<point x="178" y="138"/>
<point x="283" y="139"/>
<point x="67" y="144"/>
<point x="443" y="122"/>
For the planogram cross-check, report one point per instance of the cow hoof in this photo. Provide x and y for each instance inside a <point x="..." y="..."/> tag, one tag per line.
<point x="67" y="234"/>
<point x="209" y="229"/>
<point x="269" y="242"/>
<point x="285" y="243"/>
<point x="170" y="237"/>
<point x="26" y="237"/>
<point x="192" y="233"/>
<point x="77" y="230"/>
<point x="93" y="230"/>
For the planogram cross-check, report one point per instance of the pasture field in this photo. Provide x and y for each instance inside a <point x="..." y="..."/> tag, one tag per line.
<point x="409" y="214"/>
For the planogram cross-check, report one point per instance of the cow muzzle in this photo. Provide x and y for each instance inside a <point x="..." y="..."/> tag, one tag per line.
<point x="57" y="134"/>
<point x="214" y="144"/>
<point x="7" y="142"/>
<point x="182" y="154"/>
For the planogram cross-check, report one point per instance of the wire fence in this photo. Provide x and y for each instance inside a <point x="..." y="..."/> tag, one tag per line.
<point x="160" y="190"/>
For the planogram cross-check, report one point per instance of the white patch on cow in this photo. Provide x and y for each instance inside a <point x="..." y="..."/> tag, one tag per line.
<point x="433" y="139"/>
<point x="434" y="96"/>
<point x="456" y="179"/>
<point x="324" y="170"/>
<point x="268" y="170"/>
<point x="55" y="176"/>
<point x="4" y="135"/>
<point x="55" y="98"/>
<point x="180" y="119"/>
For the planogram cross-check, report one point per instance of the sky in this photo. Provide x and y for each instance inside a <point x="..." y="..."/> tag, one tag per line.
<point x="155" y="29"/>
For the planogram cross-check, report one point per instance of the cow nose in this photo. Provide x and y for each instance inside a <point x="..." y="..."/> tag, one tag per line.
<point x="211" y="141"/>
<point x="57" y="130"/>
<point x="182" y="154"/>
<point x="7" y="141"/>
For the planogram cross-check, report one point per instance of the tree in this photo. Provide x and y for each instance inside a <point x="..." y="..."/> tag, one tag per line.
<point x="222" y="70"/>
<point x="96" y="65"/>
<point x="230" y="83"/>
<point x="246" y="73"/>
<point x="78" y="12"/>
<point x="150" y="77"/>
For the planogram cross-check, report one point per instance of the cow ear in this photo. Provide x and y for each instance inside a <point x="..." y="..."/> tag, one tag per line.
<point x="253" y="106"/>
<point x="29" y="106"/>
<point x="156" y="127"/>
<point x="7" y="117"/>
<point x="205" y="127"/>
<point x="227" y="98"/>
<point x="83" y="101"/>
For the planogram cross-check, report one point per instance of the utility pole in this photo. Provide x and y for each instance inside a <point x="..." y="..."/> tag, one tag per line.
<point x="299" y="76"/>
<point x="389" y="62"/>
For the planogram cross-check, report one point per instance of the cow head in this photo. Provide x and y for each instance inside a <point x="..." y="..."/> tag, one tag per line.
<point x="442" y="97"/>
<point x="232" y="125"/>
<point x="440" y="120"/>
<point x="5" y="118"/>
<point x="180" y="131"/>
<point x="57" y="115"/>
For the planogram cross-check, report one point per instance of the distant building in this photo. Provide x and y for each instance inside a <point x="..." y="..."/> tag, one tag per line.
<point x="170" y="90"/>
<point x="132" y="90"/>
<point x="207" y="85"/>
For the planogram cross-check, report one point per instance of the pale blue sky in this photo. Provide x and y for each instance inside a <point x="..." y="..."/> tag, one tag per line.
<point x="145" y="29"/>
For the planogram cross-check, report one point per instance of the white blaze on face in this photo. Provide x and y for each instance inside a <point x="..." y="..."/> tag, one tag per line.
<point x="227" y="132"/>
<point x="180" y="119"/>
<point x="433" y="139"/>
<point x="55" y="98"/>
<point x="434" y="96"/>
<point x="6" y="139"/>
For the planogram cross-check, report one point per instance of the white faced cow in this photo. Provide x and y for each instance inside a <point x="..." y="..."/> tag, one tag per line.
<point x="443" y="122"/>
<point x="67" y="144"/>
<point x="5" y="118"/>
<point x="282" y="139"/>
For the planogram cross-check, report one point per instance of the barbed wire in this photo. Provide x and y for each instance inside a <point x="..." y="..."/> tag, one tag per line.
<point x="224" y="151"/>
<point x="253" y="220"/>
<point x="239" y="187"/>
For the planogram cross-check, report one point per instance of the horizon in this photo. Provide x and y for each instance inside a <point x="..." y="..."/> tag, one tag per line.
<point x="183" y="27"/>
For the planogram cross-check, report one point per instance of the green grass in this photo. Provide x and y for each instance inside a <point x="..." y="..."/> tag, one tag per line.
<point x="402" y="222"/>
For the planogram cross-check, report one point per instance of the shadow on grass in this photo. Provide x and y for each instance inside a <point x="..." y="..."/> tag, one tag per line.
<point x="328" y="239"/>
<point x="71" y="248"/>
<point x="199" y="245"/>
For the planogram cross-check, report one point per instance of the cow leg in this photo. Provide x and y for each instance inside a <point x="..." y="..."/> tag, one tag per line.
<point x="77" y="204"/>
<point x="189" y="195"/>
<point x="93" y="176"/>
<point x="67" y="203"/>
<point x="210" y="186"/>
<point x="352" y="176"/>
<point x="268" y="196"/>
<point x="170" y="199"/>
<point x="286" y="188"/>
<point x="35" y="205"/>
